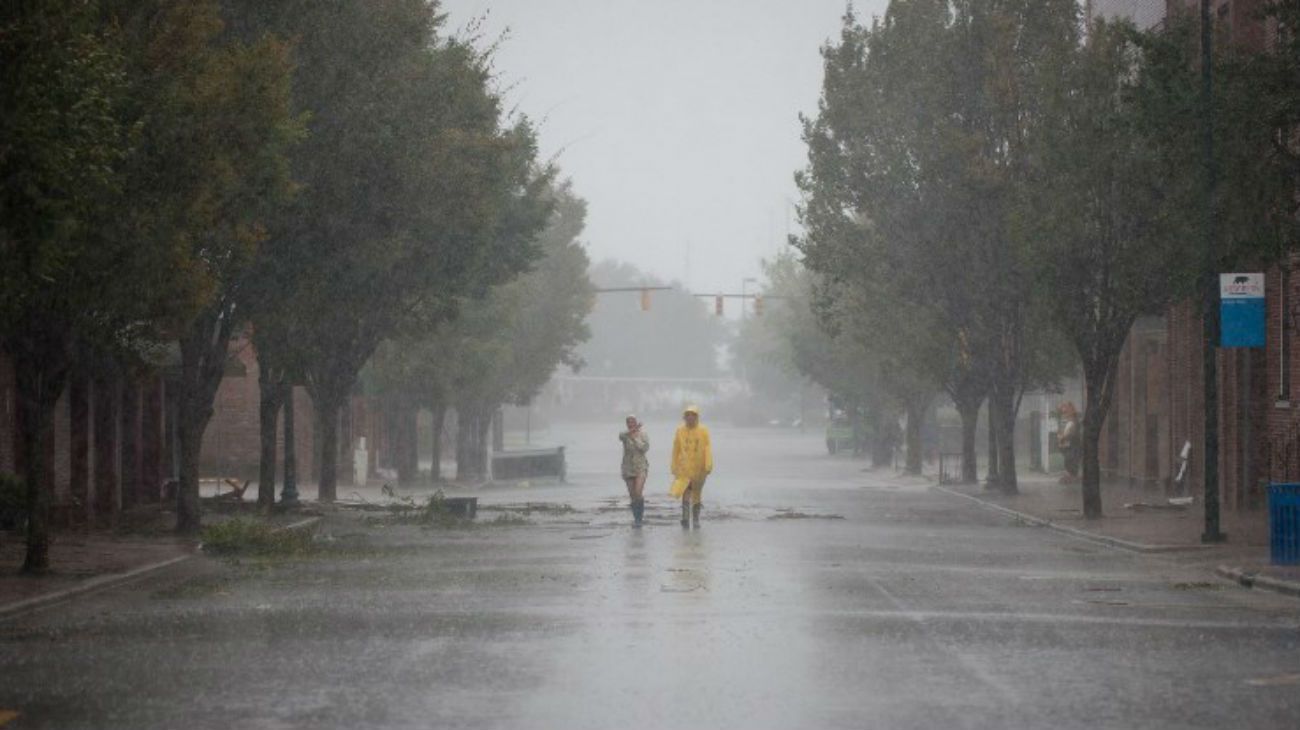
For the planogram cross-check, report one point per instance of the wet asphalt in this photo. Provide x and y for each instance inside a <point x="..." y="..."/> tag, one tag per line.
<point x="816" y="595"/>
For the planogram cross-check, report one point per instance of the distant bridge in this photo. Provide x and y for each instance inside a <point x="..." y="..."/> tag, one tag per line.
<point x="637" y="393"/>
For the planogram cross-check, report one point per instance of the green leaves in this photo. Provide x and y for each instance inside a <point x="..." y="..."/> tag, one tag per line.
<point x="63" y="143"/>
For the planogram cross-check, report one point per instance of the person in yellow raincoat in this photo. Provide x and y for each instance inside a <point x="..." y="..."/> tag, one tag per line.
<point x="693" y="462"/>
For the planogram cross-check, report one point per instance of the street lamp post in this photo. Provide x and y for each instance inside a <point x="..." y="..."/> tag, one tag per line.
<point x="1210" y="291"/>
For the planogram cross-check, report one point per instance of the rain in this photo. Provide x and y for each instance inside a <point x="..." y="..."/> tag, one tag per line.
<point x="599" y="363"/>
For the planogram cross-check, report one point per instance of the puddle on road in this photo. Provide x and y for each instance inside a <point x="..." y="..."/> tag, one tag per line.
<point x="530" y="508"/>
<point x="681" y="589"/>
<point x="791" y="514"/>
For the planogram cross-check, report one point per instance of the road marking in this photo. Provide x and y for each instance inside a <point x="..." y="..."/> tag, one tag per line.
<point x="972" y="664"/>
<point x="940" y="617"/>
<point x="7" y="716"/>
<point x="1278" y="681"/>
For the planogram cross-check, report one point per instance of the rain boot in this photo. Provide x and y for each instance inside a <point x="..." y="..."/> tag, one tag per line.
<point x="686" y="514"/>
<point x="632" y="505"/>
<point x="695" y="515"/>
<point x="638" y="512"/>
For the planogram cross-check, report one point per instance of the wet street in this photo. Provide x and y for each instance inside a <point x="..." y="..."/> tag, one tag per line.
<point x="816" y="595"/>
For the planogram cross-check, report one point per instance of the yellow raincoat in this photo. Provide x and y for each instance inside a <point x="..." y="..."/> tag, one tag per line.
<point x="692" y="457"/>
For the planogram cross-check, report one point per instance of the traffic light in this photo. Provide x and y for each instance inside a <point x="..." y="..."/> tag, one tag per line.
<point x="758" y="305"/>
<point x="645" y="300"/>
<point x="717" y="305"/>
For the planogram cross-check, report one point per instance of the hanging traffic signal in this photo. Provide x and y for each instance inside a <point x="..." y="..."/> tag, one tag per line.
<point x="758" y="305"/>
<point x="645" y="300"/>
<point x="717" y="305"/>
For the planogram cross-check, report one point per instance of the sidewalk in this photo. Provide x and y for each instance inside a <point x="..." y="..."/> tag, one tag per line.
<point x="86" y="561"/>
<point x="81" y="563"/>
<point x="1136" y="520"/>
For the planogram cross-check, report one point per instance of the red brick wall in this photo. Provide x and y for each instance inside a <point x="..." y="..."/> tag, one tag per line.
<point x="1135" y="438"/>
<point x="1186" y="405"/>
<point x="1282" y="448"/>
<point x="1242" y="17"/>
<point x="231" y="445"/>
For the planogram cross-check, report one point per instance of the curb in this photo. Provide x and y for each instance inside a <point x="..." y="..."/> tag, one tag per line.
<point x="1114" y="542"/>
<point x="1254" y="580"/>
<point x="105" y="582"/>
<point x="92" y="585"/>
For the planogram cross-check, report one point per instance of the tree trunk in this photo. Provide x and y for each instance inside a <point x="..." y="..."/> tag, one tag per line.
<point x="435" y="445"/>
<point x="969" y="410"/>
<point x="473" y="423"/>
<point x="327" y="425"/>
<point x="205" y="347"/>
<point x="315" y="441"/>
<point x="991" y="435"/>
<point x="107" y="448"/>
<point x="1004" y="402"/>
<point x="465" y="470"/>
<point x="271" y="394"/>
<point x="407" y="443"/>
<point x="916" y="408"/>
<point x="79" y="433"/>
<point x="486" y="417"/>
<point x="38" y="394"/>
<point x="498" y="420"/>
<point x="1091" y="485"/>
<point x="881" y="436"/>
<point x="129" y="442"/>
<point x="347" y="468"/>
<point x="1099" y="385"/>
<point x="290" y="491"/>
<point x="462" y="444"/>
<point x="188" y="509"/>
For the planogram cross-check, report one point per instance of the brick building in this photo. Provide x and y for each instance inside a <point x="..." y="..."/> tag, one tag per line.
<point x="110" y="446"/>
<point x="1159" y="405"/>
<point x="114" y="436"/>
<point x="232" y="442"/>
<point x="232" y="445"/>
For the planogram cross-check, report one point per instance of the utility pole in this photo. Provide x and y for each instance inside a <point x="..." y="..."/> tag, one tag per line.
<point x="1210" y="287"/>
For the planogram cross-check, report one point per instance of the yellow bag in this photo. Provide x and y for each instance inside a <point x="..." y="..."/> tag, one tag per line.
<point x="679" y="487"/>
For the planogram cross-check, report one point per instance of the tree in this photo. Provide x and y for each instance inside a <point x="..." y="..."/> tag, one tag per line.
<point x="414" y="194"/>
<point x="869" y="204"/>
<point x="64" y="141"/>
<point x="763" y="354"/>
<point x="211" y="173"/>
<point x="505" y="346"/>
<point x="1111" y="208"/>
<point x="915" y="159"/>
<point x="826" y="352"/>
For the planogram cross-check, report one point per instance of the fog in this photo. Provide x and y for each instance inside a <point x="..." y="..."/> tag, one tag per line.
<point x="678" y="120"/>
<point x="649" y="363"/>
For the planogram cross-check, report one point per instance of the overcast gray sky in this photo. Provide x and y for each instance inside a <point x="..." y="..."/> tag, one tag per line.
<point x="676" y="119"/>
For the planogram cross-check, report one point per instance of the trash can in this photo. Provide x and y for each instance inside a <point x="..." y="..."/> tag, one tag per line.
<point x="1284" y="523"/>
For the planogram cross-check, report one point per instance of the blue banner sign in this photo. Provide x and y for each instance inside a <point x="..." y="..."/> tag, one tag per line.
<point x="1242" y="313"/>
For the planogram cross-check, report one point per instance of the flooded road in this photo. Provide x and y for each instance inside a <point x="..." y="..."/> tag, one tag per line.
<point x="816" y="595"/>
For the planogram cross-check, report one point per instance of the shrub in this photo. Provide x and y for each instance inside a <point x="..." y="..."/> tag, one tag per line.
<point x="251" y="537"/>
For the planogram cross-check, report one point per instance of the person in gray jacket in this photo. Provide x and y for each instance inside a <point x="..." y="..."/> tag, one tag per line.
<point x="635" y="466"/>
